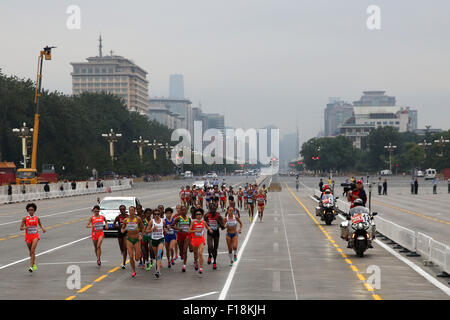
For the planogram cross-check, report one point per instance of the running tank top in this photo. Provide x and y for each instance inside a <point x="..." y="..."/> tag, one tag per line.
<point x="212" y="221"/>
<point x="260" y="199"/>
<point x="170" y="230"/>
<point x="158" y="233"/>
<point x="231" y="222"/>
<point x="97" y="223"/>
<point x="132" y="225"/>
<point x="199" y="228"/>
<point x="184" y="224"/>
<point x="31" y="224"/>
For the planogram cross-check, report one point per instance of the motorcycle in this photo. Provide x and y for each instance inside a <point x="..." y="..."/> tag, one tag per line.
<point x="357" y="229"/>
<point x="326" y="210"/>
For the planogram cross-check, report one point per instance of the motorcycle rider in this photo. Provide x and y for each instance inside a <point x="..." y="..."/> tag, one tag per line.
<point x="358" y="193"/>
<point x="354" y="210"/>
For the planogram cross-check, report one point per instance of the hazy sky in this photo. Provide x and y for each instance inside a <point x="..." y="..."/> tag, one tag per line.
<point x="259" y="62"/>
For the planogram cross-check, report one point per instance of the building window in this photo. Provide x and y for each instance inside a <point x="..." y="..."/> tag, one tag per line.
<point x="83" y="70"/>
<point x="97" y="70"/>
<point x="89" y="70"/>
<point x="110" y="70"/>
<point x="103" y="70"/>
<point x="397" y="122"/>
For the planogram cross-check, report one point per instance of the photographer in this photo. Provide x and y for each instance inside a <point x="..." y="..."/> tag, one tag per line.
<point x="357" y="193"/>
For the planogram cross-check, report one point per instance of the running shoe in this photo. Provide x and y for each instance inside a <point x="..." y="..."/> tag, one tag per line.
<point x="173" y="262"/>
<point x="140" y="265"/>
<point x="99" y="262"/>
<point x="157" y="274"/>
<point x="235" y="258"/>
<point x="251" y="219"/>
<point x="34" y="267"/>
<point x="200" y="271"/>
<point x="214" y="266"/>
<point x="151" y="264"/>
<point x="122" y="266"/>
<point x="176" y="257"/>
<point x="30" y="269"/>
<point x="148" y="267"/>
<point x="196" y="267"/>
<point x="133" y="274"/>
<point x="209" y="260"/>
<point x="184" y="268"/>
<point x="231" y="263"/>
<point x="169" y="265"/>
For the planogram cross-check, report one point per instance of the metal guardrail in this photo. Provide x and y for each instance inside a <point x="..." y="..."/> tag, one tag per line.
<point x="21" y="197"/>
<point x="416" y="242"/>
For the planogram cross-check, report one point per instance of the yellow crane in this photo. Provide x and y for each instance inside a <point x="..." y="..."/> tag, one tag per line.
<point x="30" y="175"/>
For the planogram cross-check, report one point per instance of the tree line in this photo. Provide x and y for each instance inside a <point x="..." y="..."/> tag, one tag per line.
<point x="339" y="154"/>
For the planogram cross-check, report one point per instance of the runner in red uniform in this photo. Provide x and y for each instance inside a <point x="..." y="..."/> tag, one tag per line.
<point x="223" y="197"/>
<point x="197" y="230"/>
<point x="200" y="196"/>
<point x="240" y="194"/>
<point x="261" y="200"/>
<point x="181" y="223"/>
<point x="98" y="223"/>
<point x="182" y="197"/>
<point x="30" y="224"/>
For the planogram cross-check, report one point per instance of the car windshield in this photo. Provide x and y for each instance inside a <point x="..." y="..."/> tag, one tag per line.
<point x="114" y="204"/>
<point x="26" y="174"/>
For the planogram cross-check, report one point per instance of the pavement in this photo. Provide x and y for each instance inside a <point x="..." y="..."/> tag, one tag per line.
<point x="289" y="255"/>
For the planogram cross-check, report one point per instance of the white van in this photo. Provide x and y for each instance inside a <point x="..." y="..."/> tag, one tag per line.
<point x="430" y="174"/>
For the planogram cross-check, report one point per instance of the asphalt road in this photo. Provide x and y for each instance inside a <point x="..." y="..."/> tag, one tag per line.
<point x="290" y="255"/>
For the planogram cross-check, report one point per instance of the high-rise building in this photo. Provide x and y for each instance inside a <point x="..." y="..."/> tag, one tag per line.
<point x="374" y="98"/>
<point x="182" y="108"/>
<point x="176" y="86"/>
<point x="112" y="74"/>
<point x="336" y="113"/>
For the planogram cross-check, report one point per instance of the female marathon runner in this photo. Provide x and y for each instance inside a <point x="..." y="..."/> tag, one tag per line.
<point x="133" y="225"/>
<point x="214" y="221"/>
<point x="198" y="239"/>
<point x="216" y="197"/>
<point x="231" y="221"/>
<point x="156" y="227"/>
<point x="236" y="211"/>
<point x="208" y="196"/>
<point x="230" y="194"/>
<point x="261" y="200"/>
<point x="200" y="195"/>
<point x="181" y="224"/>
<point x="250" y="204"/>
<point x="98" y="223"/>
<point x="121" y="236"/>
<point x="170" y="237"/>
<point x="30" y="225"/>
<point x="223" y="197"/>
<point x="140" y="214"/>
<point x="177" y="213"/>
<point x="187" y="196"/>
<point x="245" y="193"/>
<point x="182" y="196"/>
<point x="240" y="194"/>
<point x="145" y="245"/>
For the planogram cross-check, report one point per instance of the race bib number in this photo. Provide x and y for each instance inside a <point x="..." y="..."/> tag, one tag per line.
<point x="132" y="226"/>
<point x="213" y="224"/>
<point x="199" y="232"/>
<point x="32" y="230"/>
<point x="98" y="226"/>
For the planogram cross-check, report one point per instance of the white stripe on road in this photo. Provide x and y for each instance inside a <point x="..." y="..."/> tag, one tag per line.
<point x="200" y="296"/>
<point x="227" y="285"/>
<point x="45" y="252"/>
<point x="276" y="286"/>
<point x="411" y="264"/>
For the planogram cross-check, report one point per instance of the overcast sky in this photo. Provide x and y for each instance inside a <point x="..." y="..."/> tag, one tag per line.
<point x="259" y="62"/>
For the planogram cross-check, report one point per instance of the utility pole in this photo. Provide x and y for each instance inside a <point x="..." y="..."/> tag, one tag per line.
<point x="441" y="144"/>
<point x="141" y="143"/>
<point x="24" y="133"/>
<point x="390" y="148"/>
<point x="111" y="137"/>
<point x="155" y="145"/>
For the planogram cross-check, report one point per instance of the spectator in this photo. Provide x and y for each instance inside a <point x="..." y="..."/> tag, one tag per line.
<point x="385" y="187"/>
<point x="448" y="184"/>
<point x="24" y="190"/>
<point x="9" y="193"/>
<point x="320" y="185"/>
<point x="435" y="185"/>
<point x="412" y="185"/>
<point x="380" y="186"/>
<point x="416" y="186"/>
<point x="87" y="185"/>
<point x="98" y="183"/>
<point x="46" y="187"/>
<point x="61" y="187"/>
<point x="74" y="185"/>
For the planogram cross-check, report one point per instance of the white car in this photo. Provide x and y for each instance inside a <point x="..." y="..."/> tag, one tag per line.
<point x="386" y="172"/>
<point x="199" y="184"/>
<point x="211" y="175"/>
<point x="109" y="208"/>
<point x="419" y="174"/>
<point x="430" y="174"/>
<point x="188" y="174"/>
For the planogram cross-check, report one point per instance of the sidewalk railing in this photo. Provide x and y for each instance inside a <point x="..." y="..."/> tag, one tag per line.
<point x="417" y="243"/>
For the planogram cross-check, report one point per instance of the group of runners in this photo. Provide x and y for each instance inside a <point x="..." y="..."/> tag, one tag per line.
<point x="145" y="235"/>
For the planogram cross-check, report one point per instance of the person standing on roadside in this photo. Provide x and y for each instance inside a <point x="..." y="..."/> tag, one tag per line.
<point x="385" y="187"/>
<point x="9" y="193"/>
<point x="380" y="186"/>
<point x="435" y="185"/>
<point x="412" y="185"/>
<point x="416" y="186"/>
<point x="320" y="185"/>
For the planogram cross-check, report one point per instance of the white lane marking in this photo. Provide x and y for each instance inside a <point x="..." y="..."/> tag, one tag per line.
<point x="276" y="247"/>
<point x="289" y="251"/>
<point x="45" y="252"/>
<point x="227" y="285"/>
<point x="411" y="264"/>
<point x="201" y="295"/>
<point x="275" y="229"/>
<point x="306" y="186"/>
<point x="276" y="286"/>
<point x="75" y="262"/>
<point x="419" y="270"/>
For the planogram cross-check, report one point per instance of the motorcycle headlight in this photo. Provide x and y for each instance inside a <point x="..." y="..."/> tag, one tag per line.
<point x="360" y="226"/>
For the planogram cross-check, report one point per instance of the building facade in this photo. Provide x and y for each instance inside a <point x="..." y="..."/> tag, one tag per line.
<point x="176" y="86"/>
<point x="336" y="113"/>
<point x="113" y="74"/>
<point x="179" y="108"/>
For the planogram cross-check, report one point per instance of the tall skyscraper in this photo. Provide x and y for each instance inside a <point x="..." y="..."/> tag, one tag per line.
<point x="176" y="86"/>
<point x="336" y="113"/>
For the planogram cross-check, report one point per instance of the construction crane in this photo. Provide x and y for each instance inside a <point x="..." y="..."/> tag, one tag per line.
<point x="30" y="175"/>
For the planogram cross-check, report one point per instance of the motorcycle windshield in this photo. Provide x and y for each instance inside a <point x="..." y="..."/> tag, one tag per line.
<point x="328" y="199"/>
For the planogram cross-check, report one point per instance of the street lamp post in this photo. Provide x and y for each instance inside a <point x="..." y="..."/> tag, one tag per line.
<point x="441" y="143"/>
<point x="111" y="137"/>
<point x="167" y="148"/>
<point x="155" y="145"/>
<point x="390" y="148"/>
<point x="141" y="143"/>
<point x="24" y="133"/>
